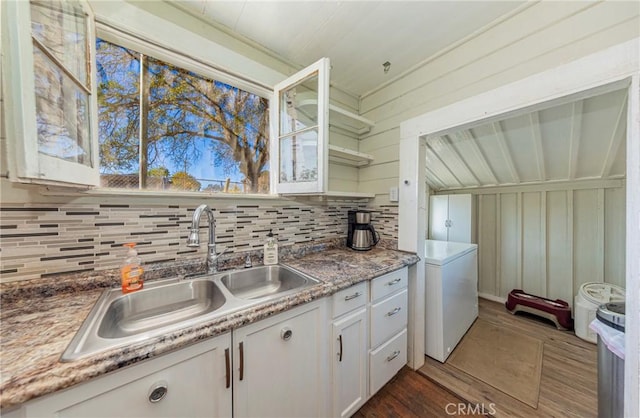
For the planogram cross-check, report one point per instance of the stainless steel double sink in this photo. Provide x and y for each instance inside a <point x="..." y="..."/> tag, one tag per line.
<point x="163" y="306"/>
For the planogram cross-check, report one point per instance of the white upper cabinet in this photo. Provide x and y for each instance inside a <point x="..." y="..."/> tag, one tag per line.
<point x="301" y="149"/>
<point x="299" y="156"/>
<point x="451" y="218"/>
<point x="49" y="82"/>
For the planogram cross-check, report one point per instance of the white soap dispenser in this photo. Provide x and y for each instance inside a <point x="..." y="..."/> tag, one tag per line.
<point x="270" y="250"/>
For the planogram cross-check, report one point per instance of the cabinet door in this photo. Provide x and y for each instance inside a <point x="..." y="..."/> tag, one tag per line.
<point x="350" y="363"/>
<point x="438" y="217"/>
<point x="52" y="126"/>
<point x="299" y="141"/>
<point x="460" y="218"/>
<point x="280" y="365"/>
<point x="195" y="379"/>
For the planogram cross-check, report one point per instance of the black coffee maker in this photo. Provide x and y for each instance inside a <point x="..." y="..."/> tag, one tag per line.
<point x="361" y="235"/>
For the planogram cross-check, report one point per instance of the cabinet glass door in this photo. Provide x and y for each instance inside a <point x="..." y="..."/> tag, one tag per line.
<point x="299" y="146"/>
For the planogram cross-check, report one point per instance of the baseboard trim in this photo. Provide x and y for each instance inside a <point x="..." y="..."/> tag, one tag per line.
<point x="493" y="298"/>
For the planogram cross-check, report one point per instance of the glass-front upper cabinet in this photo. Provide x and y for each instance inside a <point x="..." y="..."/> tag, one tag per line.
<point x="299" y="156"/>
<point x="51" y="104"/>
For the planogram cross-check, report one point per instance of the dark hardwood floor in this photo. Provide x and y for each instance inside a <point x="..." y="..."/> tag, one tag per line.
<point x="410" y="394"/>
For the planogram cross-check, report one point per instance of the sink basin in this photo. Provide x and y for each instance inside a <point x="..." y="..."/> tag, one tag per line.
<point x="168" y="305"/>
<point x="138" y="312"/>
<point x="118" y="320"/>
<point x="259" y="282"/>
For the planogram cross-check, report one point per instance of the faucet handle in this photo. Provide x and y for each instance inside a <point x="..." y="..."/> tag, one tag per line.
<point x="247" y="261"/>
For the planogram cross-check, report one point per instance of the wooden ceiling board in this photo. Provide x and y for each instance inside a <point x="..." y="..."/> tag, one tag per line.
<point x="522" y="148"/>
<point x="492" y="149"/>
<point x="600" y="116"/>
<point x="585" y="139"/>
<point x="555" y="130"/>
<point x="358" y="36"/>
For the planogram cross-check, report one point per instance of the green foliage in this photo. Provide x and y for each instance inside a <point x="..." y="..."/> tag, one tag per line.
<point x="185" y="181"/>
<point x="188" y="115"/>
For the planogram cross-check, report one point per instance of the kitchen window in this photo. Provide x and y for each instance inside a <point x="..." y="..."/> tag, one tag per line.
<point x="164" y="127"/>
<point x="122" y="112"/>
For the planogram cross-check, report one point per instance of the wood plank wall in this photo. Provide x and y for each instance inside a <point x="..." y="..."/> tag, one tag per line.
<point x="537" y="37"/>
<point x="550" y="241"/>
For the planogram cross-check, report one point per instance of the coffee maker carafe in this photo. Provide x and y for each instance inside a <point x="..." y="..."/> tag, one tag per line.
<point x="361" y="235"/>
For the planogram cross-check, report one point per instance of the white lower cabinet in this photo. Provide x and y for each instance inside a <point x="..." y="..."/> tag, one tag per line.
<point x="275" y="367"/>
<point x="389" y="309"/>
<point x="369" y="339"/>
<point x="191" y="382"/>
<point x="350" y="347"/>
<point x="280" y="365"/>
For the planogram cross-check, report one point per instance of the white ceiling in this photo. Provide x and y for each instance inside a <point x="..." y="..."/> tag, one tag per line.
<point x="358" y="36"/>
<point x="575" y="141"/>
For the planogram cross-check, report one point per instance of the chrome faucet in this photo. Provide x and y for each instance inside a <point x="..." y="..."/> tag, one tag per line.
<point x="194" y="238"/>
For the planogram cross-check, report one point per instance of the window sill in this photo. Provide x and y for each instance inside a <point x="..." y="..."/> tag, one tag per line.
<point x="154" y="194"/>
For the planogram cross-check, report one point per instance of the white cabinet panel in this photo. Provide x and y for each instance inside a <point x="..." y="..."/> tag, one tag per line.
<point x="451" y="218"/>
<point x="388" y="317"/>
<point x="350" y="363"/>
<point x="438" y="216"/>
<point x="389" y="283"/>
<point x="195" y="379"/>
<point x="387" y="360"/>
<point x="349" y="299"/>
<point x="280" y="364"/>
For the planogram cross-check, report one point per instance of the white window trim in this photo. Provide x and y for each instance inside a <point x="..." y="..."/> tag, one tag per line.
<point x="25" y="163"/>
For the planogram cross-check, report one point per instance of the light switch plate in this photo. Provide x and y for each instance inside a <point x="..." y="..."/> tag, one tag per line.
<point x="393" y="194"/>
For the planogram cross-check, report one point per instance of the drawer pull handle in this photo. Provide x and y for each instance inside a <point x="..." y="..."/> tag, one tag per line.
<point x="158" y="391"/>
<point x="394" y="281"/>
<point x="394" y="355"/>
<point x="340" y="353"/>
<point x="393" y="312"/>
<point x="355" y="295"/>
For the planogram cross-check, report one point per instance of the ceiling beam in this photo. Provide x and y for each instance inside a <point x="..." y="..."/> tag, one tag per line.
<point x="616" y="139"/>
<point x="437" y="157"/>
<point x="466" y="135"/>
<point x="537" y="142"/>
<point x="447" y="143"/>
<point x="502" y="143"/>
<point x="435" y="180"/>
<point x="574" y="139"/>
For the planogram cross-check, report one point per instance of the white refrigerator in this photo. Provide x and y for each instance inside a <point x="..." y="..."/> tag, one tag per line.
<point x="451" y="294"/>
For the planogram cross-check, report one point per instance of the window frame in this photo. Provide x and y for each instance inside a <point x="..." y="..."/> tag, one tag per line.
<point x="166" y="54"/>
<point x="26" y="164"/>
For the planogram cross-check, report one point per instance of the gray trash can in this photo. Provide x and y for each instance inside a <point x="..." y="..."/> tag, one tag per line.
<point x="610" y="365"/>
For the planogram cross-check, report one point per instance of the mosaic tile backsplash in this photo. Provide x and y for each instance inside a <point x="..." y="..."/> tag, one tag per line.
<point x="43" y="240"/>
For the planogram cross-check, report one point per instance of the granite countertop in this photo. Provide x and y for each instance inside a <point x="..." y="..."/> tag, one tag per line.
<point x="38" y="323"/>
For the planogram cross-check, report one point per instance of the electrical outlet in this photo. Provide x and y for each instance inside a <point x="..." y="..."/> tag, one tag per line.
<point x="393" y="194"/>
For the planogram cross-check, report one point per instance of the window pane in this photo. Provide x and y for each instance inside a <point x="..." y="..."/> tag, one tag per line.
<point x="62" y="112"/>
<point x="200" y="135"/>
<point x="299" y="157"/>
<point x="118" y="72"/>
<point x="61" y="27"/>
<point x="299" y="106"/>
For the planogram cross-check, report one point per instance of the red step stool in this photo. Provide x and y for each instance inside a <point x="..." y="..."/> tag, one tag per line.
<point x="557" y="311"/>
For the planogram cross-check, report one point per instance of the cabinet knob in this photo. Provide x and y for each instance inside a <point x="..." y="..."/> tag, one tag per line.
<point x="158" y="391"/>
<point x="286" y="334"/>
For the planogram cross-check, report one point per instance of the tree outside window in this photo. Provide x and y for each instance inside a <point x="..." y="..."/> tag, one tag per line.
<point x="181" y="131"/>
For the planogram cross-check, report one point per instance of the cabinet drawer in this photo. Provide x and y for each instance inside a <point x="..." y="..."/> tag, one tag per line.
<point x="386" y="360"/>
<point x="388" y="317"/>
<point x="389" y="283"/>
<point x="349" y="299"/>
